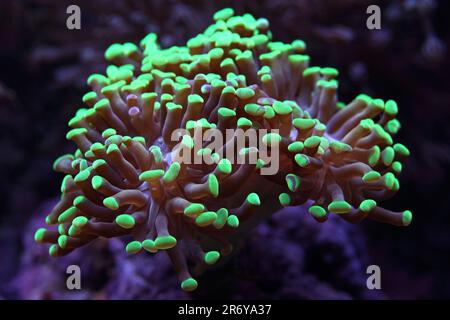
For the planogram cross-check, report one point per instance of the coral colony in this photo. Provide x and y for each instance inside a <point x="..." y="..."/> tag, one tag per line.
<point x="128" y="176"/>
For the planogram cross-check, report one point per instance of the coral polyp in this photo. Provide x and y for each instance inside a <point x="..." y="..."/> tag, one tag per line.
<point x="126" y="177"/>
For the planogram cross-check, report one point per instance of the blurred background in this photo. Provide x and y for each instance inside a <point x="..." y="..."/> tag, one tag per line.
<point x="43" y="72"/>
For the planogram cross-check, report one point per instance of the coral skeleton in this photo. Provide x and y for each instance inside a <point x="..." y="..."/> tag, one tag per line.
<point x="123" y="180"/>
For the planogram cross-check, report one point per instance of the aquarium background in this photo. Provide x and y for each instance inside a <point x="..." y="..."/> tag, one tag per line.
<point x="43" y="72"/>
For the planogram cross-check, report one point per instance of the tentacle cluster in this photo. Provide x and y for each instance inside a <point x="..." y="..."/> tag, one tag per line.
<point x="124" y="179"/>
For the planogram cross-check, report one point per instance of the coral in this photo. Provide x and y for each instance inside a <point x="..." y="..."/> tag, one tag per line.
<point x="304" y="250"/>
<point x="126" y="177"/>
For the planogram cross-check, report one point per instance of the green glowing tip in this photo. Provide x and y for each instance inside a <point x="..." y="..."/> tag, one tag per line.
<point x="173" y="106"/>
<point x="114" y="51"/>
<point x="271" y="139"/>
<point x="194" y="209"/>
<point x="301" y="159"/>
<point x="187" y="141"/>
<point x="206" y="218"/>
<point x="114" y="87"/>
<point x="329" y="72"/>
<point x="310" y="71"/>
<point x="113" y="148"/>
<point x="165" y="242"/>
<point x="223" y="14"/>
<point x="78" y="153"/>
<point x="396" y="185"/>
<point x="317" y="211"/>
<point x="156" y="153"/>
<point x="73" y="231"/>
<point x="389" y="180"/>
<point x="339" y="207"/>
<point x="133" y="247"/>
<point x="268" y="57"/>
<point x="226" y="113"/>
<point x="98" y="78"/>
<point x="61" y="158"/>
<point x="113" y="143"/>
<point x="48" y="220"/>
<point x="75" y="132"/>
<point x="371" y="176"/>
<point x="367" y="124"/>
<point x="254" y="109"/>
<point x="141" y="140"/>
<point x="172" y="173"/>
<point x="211" y="257"/>
<point x="67" y="215"/>
<point x="260" y="163"/>
<point x="123" y="74"/>
<point x="189" y="284"/>
<point x="83" y="164"/>
<point x="108" y="133"/>
<point x="245" y="93"/>
<point x="222" y="216"/>
<point x="269" y="113"/>
<point x="282" y="108"/>
<point x="228" y="62"/>
<point x="111" y="203"/>
<point x="364" y="97"/>
<point x="383" y="134"/>
<point x="244" y="56"/>
<point x="89" y="154"/>
<point x="65" y="182"/>
<point x="53" y="250"/>
<point x="97" y="146"/>
<point x="244" y="122"/>
<point x="312" y="142"/>
<point x="379" y="104"/>
<point x="304" y="124"/>
<point x="195" y="98"/>
<point x="299" y="45"/>
<point x="407" y="218"/>
<point x="391" y="108"/>
<point x="285" y="199"/>
<point x="149" y="245"/>
<point x="216" y="53"/>
<point x="388" y="156"/>
<point x="401" y="150"/>
<point x="295" y="147"/>
<point x="339" y="147"/>
<point x="78" y="200"/>
<point x="367" y="205"/>
<point x="253" y="199"/>
<point x="397" y="167"/>
<point x="215" y="80"/>
<point x="213" y="185"/>
<point x="148" y="97"/>
<point x="89" y="96"/>
<point x="62" y="229"/>
<point x="80" y="222"/>
<point x="393" y="126"/>
<point x="265" y="78"/>
<point x="233" y="221"/>
<point x="39" y="235"/>
<point x="225" y="166"/>
<point x="151" y="175"/>
<point x="101" y="104"/>
<point x="293" y="182"/>
<point x="62" y="241"/>
<point x="374" y="156"/>
<point x="126" y="221"/>
<point x="298" y="58"/>
<point x="97" y="182"/>
<point x="98" y="163"/>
